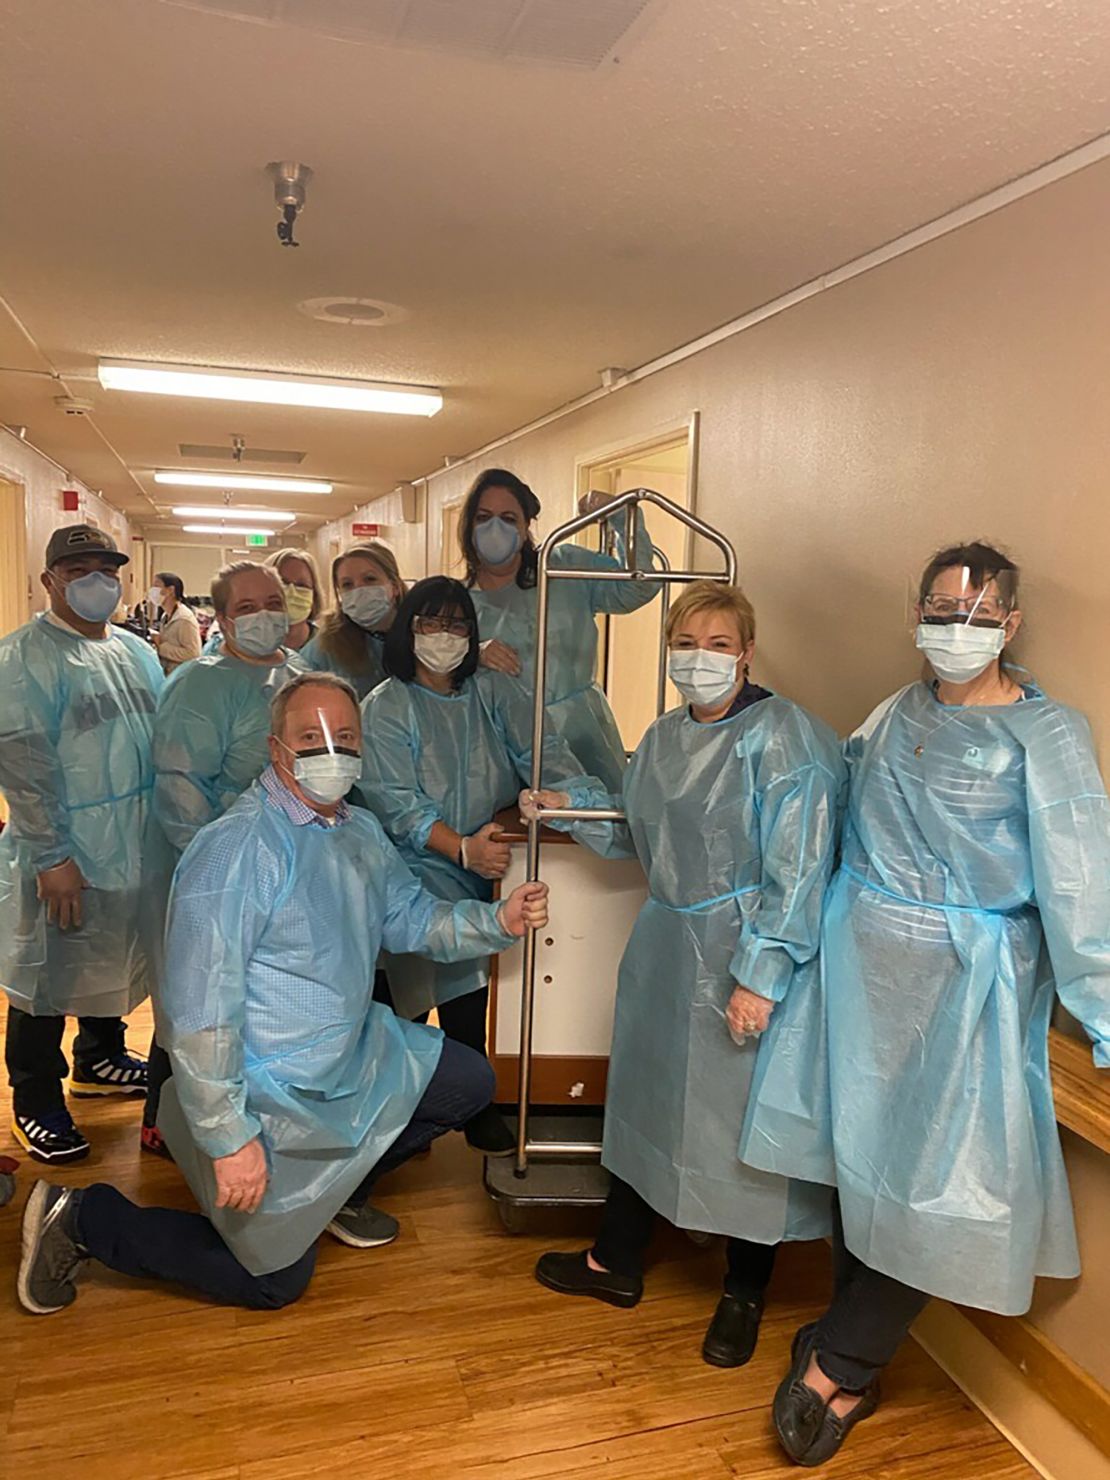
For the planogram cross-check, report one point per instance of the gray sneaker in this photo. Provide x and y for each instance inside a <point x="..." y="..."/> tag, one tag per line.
<point x="50" y="1254"/>
<point x="364" y="1228"/>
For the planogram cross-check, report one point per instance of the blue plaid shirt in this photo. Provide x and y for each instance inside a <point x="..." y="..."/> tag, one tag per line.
<point x="300" y="814"/>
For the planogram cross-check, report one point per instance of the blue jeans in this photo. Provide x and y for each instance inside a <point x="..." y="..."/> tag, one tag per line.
<point x="165" y="1244"/>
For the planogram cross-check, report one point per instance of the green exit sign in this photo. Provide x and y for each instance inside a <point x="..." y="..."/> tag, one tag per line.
<point x="257" y="539"/>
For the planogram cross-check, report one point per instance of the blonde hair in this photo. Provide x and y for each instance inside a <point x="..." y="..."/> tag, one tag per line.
<point x="290" y="552"/>
<point x="339" y="637"/>
<point x="713" y="596"/>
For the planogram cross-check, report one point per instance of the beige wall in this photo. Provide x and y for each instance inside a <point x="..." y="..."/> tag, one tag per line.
<point x="43" y="483"/>
<point x="957" y="391"/>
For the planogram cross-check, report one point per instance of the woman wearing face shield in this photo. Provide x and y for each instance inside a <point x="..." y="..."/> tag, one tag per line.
<point x="367" y="584"/>
<point x="974" y="883"/>
<point x="731" y="803"/>
<point x="444" y="749"/>
<point x="495" y="536"/>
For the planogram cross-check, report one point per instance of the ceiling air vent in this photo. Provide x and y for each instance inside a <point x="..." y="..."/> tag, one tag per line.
<point x="242" y="454"/>
<point x="562" y="33"/>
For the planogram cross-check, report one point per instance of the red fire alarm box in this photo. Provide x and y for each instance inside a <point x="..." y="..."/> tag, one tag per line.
<point x="71" y="500"/>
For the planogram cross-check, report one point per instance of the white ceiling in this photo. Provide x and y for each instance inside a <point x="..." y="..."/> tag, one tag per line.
<point x="536" y="222"/>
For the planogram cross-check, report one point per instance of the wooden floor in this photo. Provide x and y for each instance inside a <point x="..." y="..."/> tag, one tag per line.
<point x="436" y="1357"/>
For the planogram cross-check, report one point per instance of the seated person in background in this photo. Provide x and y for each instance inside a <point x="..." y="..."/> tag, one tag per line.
<point x="293" y="1090"/>
<point x="178" y="636"/>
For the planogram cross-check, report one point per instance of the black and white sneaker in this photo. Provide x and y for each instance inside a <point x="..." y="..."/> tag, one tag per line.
<point x="52" y="1138"/>
<point x="121" y="1074"/>
<point x="51" y="1253"/>
<point x="364" y="1228"/>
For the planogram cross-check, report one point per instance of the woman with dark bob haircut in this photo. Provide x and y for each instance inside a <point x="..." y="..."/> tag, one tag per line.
<point x="495" y="535"/>
<point x="444" y="748"/>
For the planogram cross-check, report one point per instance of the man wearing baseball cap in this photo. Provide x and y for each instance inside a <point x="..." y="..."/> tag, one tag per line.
<point x="77" y="701"/>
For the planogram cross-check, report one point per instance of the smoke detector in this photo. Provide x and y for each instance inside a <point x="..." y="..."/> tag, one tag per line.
<point x="355" y="313"/>
<point x="73" y="405"/>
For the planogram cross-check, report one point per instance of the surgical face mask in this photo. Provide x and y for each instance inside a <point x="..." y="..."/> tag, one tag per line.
<point x="325" y="776"/>
<point x="93" y="597"/>
<point x="958" y="651"/>
<point x="440" y="652"/>
<point x="154" y="596"/>
<point x="368" y="606"/>
<point x="298" y="602"/>
<point x="700" y="675"/>
<point x="260" y="633"/>
<point x="497" y="540"/>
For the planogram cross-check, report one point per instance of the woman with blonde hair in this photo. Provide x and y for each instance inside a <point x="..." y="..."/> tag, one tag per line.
<point x="303" y="599"/>
<point x="731" y="805"/>
<point x="368" y="588"/>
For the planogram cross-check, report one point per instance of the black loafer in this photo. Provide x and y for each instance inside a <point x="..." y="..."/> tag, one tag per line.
<point x="733" y="1332"/>
<point x="488" y="1133"/>
<point x="798" y="1411"/>
<point x="835" y="1429"/>
<point x="571" y="1275"/>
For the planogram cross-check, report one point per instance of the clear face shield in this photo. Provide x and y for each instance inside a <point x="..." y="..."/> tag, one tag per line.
<point x="325" y="772"/>
<point x="964" y="625"/>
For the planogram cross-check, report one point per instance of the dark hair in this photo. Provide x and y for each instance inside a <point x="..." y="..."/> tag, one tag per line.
<point x="175" y="583"/>
<point x="340" y="638"/>
<point x="529" y="507"/>
<point x="984" y="563"/>
<point x="437" y="596"/>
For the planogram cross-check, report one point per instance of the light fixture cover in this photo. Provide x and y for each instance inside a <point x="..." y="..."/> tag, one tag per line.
<point x="217" y="511"/>
<point x="268" y="387"/>
<point x="255" y="482"/>
<point x="226" y="529"/>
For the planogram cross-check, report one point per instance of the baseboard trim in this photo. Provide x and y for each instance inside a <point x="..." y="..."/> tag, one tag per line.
<point x="1017" y="1393"/>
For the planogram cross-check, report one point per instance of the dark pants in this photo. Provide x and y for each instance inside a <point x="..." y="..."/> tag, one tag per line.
<point x="158" y="1069"/>
<point x="626" y="1228"/>
<point x="36" y="1064"/>
<point x="163" y="1244"/>
<point x="868" y="1320"/>
<point x="463" y="1020"/>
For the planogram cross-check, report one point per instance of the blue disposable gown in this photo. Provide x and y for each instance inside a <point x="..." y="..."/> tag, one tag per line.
<point x="267" y="1013"/>
<point x="210" y="742"/>
<point x="363" y="682"/>
<point x="576" y="707"/>
<point x="735" y="824"/>
<point x="975" y="878"/>
<point x="456" y="759"/>
<point x="75" y="767"/>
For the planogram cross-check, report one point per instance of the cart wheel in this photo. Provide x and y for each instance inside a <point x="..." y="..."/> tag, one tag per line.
<point x="512" y="1218"/>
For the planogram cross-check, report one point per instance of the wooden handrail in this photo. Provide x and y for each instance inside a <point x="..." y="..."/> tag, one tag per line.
<point x="1081" y="1091"/>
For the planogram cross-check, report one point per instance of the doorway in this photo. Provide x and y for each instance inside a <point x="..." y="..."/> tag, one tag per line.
<point x="629" y="652"/>
<point x="450" y="559"/>
<point x="15" y="596"/>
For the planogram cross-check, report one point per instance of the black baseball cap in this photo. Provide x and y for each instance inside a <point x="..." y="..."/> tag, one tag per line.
<point x="83" y="539"/>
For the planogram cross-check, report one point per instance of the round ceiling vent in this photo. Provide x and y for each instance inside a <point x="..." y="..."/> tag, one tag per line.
<point x="356" y="313"/>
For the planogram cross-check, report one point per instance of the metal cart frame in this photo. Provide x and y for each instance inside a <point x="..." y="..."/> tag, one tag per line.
<point x="553" y="1148"/>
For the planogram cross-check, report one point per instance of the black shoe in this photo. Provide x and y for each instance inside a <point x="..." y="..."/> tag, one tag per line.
<point x="51" y="1254"/>
<point x="835" y="1429"/>
<point x="733" y="1332"/>
<point x="52" y="1138"/>
<point x="797" y="1410"/>
<point x="115" y="1074"/>
<point x="488" y="1132"/>
<point x="364" y="1228"/>
<point x="571" y="1275"/>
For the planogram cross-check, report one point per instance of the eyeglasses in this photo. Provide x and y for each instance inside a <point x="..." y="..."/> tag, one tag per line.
<point x="433" y="626"/>
<point x="987" y="608"/>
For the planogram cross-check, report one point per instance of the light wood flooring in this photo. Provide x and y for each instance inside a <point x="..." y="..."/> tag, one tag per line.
<point x="436" y="1357"/>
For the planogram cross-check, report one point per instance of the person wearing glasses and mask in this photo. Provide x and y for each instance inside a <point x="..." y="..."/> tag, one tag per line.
<point x="974" y="885"/>
<point x="77" y="700"/>
<point x="496" y="539"/>
<point x="294" y="1090"/>
<point x="444" y="748"/>
<point x="368" y="587"/>
<point x="177" y="637"/>
<point x="731" y="804"/>
<point x="210" y="743"/>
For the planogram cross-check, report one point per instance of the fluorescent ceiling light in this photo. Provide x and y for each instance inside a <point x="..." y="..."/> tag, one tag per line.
<point x="197" y="511"/>
<point x="258" y="482"/>
<point x="268" y="387"/>
<point x="225" y="529"/>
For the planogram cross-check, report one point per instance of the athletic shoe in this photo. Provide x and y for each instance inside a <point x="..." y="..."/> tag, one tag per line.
<point x="52" y="1138"/>
<point x="120" y="1074"/>
<point x="51" y="1254"/>
<point x="570" y="1274"/>
<point x="364" y="1228"/>
<point x="151" y="1139"/>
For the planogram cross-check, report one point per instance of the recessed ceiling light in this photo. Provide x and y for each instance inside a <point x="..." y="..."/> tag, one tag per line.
<point x="355" y="313"/>
<point x="251" y="516"/>
<point x="256" y="482"/>
<point x="268" y="388"/>
<point x="226" y="529"/>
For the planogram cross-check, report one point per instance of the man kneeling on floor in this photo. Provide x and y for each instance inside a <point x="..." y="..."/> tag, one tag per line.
<point x="292" y="1091"/>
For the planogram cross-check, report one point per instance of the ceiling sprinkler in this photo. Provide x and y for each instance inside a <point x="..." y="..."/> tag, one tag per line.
<point x="290" y="181"/>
